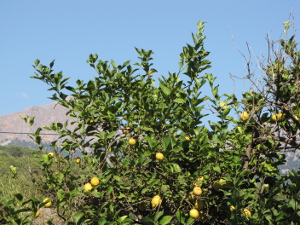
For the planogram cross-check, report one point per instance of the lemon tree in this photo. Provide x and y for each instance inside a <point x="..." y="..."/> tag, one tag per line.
<point x="142" y="151"/>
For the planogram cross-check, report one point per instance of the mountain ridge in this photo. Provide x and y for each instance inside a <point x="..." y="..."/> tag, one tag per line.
<point x="12" y="126"/>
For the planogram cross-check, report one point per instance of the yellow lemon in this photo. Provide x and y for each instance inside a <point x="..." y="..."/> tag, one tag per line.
<point x="194" y="213"/>
<point x="132" y="141"/>
<point x="156" y="200"/>
<point x="244" y="116"/>
<point x="232" y="208"/>
<point x="200" y="179"/>
<point x="159" y="156"/>
<point x="50" y="154"/>
<point x="95" y="181"/>
<point x="37" y="213"/>
<point x="87" y="187"/>
<point x="199" y="204"/>
<point x="277" y="117"/>
<point x="77" y="160"/>
<point x="247" y="212"/>
<point x="48" y="204"/>
<point x="197" y="190"/>
<point x="188" y="138"/>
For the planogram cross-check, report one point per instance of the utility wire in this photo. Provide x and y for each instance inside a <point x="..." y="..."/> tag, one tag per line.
<point x="8" y="132"/>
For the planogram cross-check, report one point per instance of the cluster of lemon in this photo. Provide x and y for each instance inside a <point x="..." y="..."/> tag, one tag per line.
<point x="156" y="200"/>
<point x="194" y="197"/>
<point x="159" y="156"/>
<point x="274" y="117"/>
<point x="246" y="212"/>
<point x="47" y="204"/>
<point x="93" y="183"/>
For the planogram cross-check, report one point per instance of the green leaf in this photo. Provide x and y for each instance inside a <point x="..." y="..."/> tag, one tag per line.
<point x="60" y="194"/>
<point x="36" y="62"/>
<point x="96" y="194"/>
<point x="165" y="220"/>
<point x="31" y="121"/>
<point x="190" y="221"/>
<point x="158" y="215"/>
<point x="74" y="193"/>
<point x="179" y="100"/>
<point x="145" y="190"/>
<point x="147" y="128"/>
<point x="102" y="221"/>
<point x="78" y="216"/>
<point x="121" y="219"/>
<point x="166" y="142"/>
<point x="52" y="64"/>
<point x="147" y="220"/>
<point x="180" y="217"/>
<point x="153" y="143"/>
<point x="217" y="168"/>
<point x="165" y="90"/>
<point x="111" y="134"/>
<point x="177" y="168"/>
<point x="217" y="139"/>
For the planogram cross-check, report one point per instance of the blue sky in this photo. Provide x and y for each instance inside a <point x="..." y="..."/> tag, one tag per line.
<point x="68" y="31"/>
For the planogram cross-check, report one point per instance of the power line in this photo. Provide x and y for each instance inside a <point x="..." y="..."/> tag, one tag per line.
<point x="10" y="132"/>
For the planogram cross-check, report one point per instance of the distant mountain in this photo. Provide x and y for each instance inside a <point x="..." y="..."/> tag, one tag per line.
<point x="13" y="127"/>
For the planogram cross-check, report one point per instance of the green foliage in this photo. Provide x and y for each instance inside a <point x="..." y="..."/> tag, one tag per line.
<point x="234" y="162"/>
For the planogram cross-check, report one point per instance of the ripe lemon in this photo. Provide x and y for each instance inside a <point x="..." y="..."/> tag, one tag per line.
<point x="156" y="200"/>
<point x="199" y="204"/>
<point x="277" y="117"/>
<point x="77" y="160"/>
<point x="50" y="154"/>
<point x="197" y="190"/>
<point x="200" y="179"/>
<point x="244" y="116"/>
<point x="159" y="156"/>
<point x="132" y="141"/>
<point x="95" y="181"/>
<point x="37" y="213"/>
<point x="87" y="187"/>
<point x="48" y="204"/>
<point x="247" y="212"/>
<point x="232" y="208"/>
<point x="194" y="213"/>
<point x="188" y="138"/>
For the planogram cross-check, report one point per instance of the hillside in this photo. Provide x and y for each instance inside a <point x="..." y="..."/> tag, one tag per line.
<point x="13" y="127"/>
